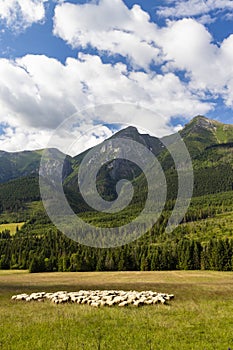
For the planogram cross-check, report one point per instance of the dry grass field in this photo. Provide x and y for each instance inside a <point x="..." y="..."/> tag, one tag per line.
<point x="12" y="227"/>
<point x="199" y="318"/>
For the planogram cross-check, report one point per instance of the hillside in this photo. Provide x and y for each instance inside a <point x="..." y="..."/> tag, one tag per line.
<point x="202" y="132"/>
<point x="26" y="163"/>
<point x="204" y="231"/>
<point x="19" y="164"/>
<point x="209" y="142"/>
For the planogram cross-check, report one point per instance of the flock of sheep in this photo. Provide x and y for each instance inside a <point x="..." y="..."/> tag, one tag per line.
<point x="97" y="298"/>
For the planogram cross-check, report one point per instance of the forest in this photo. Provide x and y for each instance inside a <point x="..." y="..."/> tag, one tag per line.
<point x="39" y="246"/>
<point x="55" y="252"/>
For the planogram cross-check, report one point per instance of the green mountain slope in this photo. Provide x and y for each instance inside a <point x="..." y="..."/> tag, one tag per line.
<point x="198" y="135"/>
<point x="15" y="193"/>
<point x="20" y="164"/>
<point x="204" y="239"/>
<point x="202" y="132"/>
<point x="209" y="143"/>
<point x="15" y="165"/>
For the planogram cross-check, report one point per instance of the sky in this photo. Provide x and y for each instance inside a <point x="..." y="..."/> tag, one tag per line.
<point x="58" y="58"/>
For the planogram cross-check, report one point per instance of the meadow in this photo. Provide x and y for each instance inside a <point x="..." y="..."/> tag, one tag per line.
<point x="12" y="227"/>
<point x="200" y="317"/>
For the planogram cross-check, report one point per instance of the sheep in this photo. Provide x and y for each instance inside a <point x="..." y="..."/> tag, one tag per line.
<point x="137" y="303"/>
<point x="95" y="304"/>
<point x="98" y="298"/>
<point x="123" y="303"/>
<point x="117" y="300"/>
<point x="21" y="297"/>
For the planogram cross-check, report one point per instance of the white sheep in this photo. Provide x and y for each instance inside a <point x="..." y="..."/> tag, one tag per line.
<point x="98" y="298"/>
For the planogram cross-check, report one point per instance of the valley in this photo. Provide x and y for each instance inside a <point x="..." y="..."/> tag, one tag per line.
<point x="204" y="234"/>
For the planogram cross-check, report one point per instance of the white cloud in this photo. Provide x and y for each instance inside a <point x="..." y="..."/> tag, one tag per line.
<point x="188" y="47"/>
<point x="206" y="19"/>
<point x="38" y="93"/>
<point x="108" y="26"/>
<point x="181" y="46"/>
<point x="188" y="8"/>
<point x="20" y="14"/>
<point x="20" y="139"/>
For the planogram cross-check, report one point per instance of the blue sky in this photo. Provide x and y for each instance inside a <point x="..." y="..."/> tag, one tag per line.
<point x="57" y="58"/>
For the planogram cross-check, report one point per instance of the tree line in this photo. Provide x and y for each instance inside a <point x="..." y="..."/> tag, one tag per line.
<point x="53" y="251"/>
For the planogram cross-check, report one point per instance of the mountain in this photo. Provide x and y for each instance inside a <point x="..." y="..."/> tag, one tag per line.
<point x="208" y="141"/>
<point x="151" y="142"/>
<point x="27" y="163"/>
<point x="117" y="169"/>
<point x="18" y="164"/>
<point x="19" y="178"/>
<point x="202" y="132"/>
<point x="211" y="145"/>
<point x="204" y="239"/>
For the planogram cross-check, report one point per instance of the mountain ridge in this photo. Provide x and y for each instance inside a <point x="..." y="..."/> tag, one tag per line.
<point x="199" y="123"/>
<point x="212" y="163"/>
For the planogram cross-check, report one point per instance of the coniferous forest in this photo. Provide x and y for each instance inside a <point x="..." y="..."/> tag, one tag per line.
<point x="54" y="252"/>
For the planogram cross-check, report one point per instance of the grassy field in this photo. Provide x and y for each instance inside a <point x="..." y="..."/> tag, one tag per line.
<point x="12" y="227"/>
<point x="200" y="317"/>
<point x="221" y="226"/>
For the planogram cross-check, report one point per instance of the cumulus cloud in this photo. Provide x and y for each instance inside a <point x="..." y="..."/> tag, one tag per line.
<point x="28" y="138"/>
<point x="40" y="92"/>
<point x="182" y="46"/>
<point x="188" y="8"/>
<point x="189" y="47"/>
<point x="108" y="26"/>
<point x="20" y="14"/>
<point x="20" y="139"/>
<point x="189" y="71"/>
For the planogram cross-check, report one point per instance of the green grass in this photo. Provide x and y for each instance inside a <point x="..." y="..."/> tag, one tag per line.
<point x="224" y="133"/>
<point x="22" y="214"/>
<point x="200" y="317"/>
<point x="12" y="227"/>
<point x="220" y="226"/>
